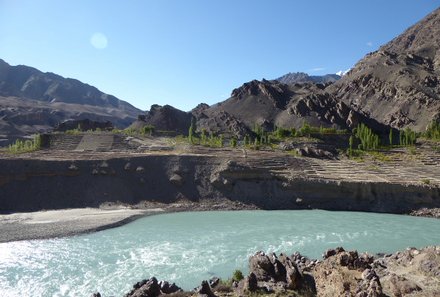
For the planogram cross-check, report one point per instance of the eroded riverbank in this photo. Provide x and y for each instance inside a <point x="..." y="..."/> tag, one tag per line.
<point x="265" y="180"/>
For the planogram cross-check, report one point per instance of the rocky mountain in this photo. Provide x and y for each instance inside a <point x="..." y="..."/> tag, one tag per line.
<point x="32" y="101"/>
<point x="165" y="118"/>
<point x="269" y="103"/>
<point x="301" y="77"/>
<point x="398" y="85"/>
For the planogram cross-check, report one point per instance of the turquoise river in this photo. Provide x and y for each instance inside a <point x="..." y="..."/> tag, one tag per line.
<point x="188" y="247"/>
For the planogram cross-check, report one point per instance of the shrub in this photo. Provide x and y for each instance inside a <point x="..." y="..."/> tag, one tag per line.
<point x="147" y="130"/>
<point x="237" y="275"/>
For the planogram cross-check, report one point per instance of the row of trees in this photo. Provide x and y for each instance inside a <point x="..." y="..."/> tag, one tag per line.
<point x="368" y="140"/>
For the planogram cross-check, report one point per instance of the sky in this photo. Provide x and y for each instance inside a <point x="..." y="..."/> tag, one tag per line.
<point x="183" y="53"/>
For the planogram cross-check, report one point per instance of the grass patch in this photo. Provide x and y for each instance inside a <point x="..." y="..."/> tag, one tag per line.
<point x="379" y="156"/>
<point x="426" y="181"/>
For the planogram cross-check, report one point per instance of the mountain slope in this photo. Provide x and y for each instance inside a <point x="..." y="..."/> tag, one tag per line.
<point x="32" y="101"/>
<point x="398" y="85"/>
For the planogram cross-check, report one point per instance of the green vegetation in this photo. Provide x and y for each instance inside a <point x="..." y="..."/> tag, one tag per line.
<point x="148" y="129"/>
<point x="233" y="142"/>
<point x="426" y="181"/>
<point x="407" y="137"/>
<point x="25" y="146"/>
<point x="350" y="146"/>
<point x="237" y="275"/>
<point x="433" y="131"/>
<point x="379" y="156"/>
<point x="191" y="131"/>
<point x="73" y="131"/>
<point x="369" y="140"/>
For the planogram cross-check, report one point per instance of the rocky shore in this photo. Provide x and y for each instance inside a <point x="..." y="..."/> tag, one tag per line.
<point x="413" y="272"/>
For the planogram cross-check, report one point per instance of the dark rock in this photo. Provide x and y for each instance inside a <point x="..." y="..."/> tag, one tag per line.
<point x="165" y="118"/>
<point x="352" y="260"/>
<point x="96" y="295"/>
<point x="148" y="288"/>
<point x="261" y="266"/>
<point x="331" y="252"/>
<point x="205" y="290"/>
<point x="214" y="281"/>
<point x="167" y="288"/>
<point x="250" y="283"/>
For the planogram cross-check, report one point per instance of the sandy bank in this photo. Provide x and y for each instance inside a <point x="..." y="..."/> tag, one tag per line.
<point x="67" y="222"/>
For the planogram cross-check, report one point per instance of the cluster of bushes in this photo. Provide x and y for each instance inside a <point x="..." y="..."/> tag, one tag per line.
<point x="146" y="130"/>
<point x="281" y="133"/>
<point x="25" y="146"/>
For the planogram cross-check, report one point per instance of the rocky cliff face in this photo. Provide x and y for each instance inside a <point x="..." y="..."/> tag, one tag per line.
<point x="398" y="85"/>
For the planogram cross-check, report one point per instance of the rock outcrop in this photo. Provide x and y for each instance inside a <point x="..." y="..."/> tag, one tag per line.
<point x="152" y="288"/>
<point x="165" y="118"/>
<point x="413" y="272"/>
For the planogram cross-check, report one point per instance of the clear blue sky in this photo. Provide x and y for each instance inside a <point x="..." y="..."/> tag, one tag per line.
<point x="186" y="52"/>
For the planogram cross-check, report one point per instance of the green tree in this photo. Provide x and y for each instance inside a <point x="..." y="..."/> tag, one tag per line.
<point x="233" y="142"/>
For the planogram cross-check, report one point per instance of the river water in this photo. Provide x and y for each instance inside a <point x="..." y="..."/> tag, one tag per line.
<point x="189" y="247"/>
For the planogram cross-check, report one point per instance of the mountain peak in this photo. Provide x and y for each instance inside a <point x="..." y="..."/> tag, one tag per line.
<point x="301" y="77"/>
